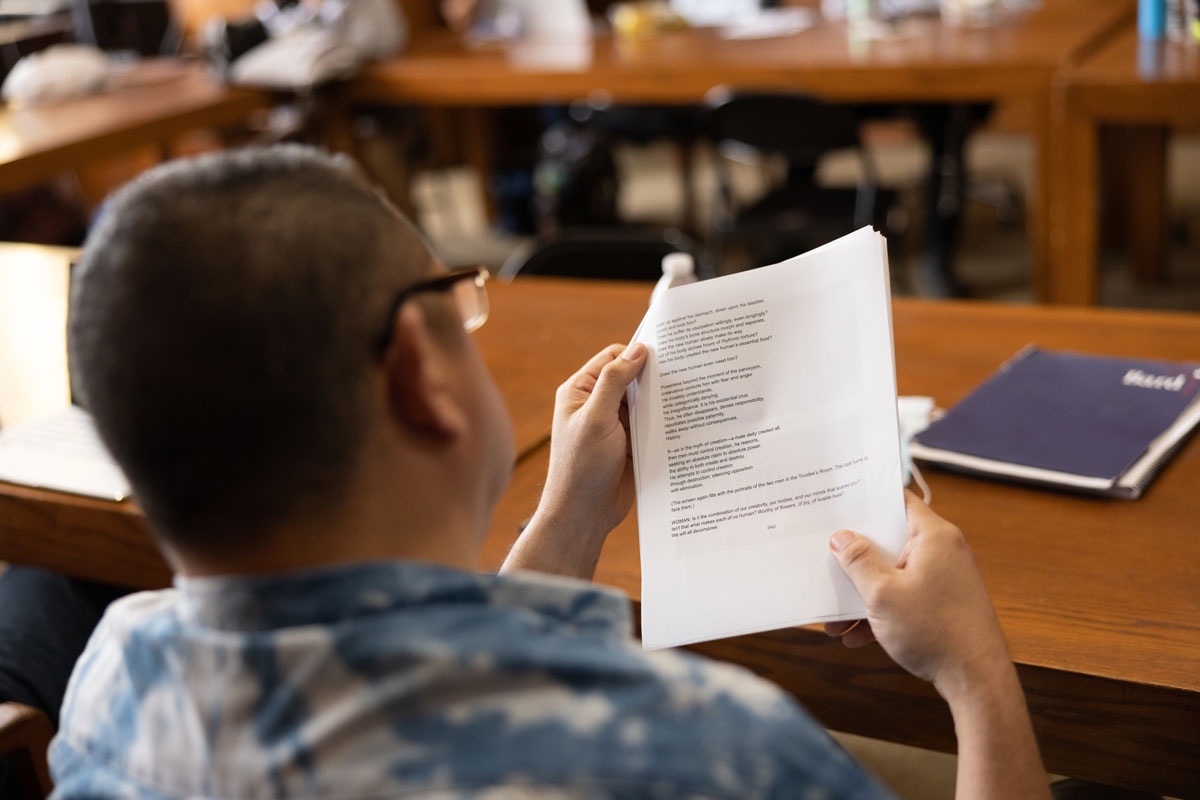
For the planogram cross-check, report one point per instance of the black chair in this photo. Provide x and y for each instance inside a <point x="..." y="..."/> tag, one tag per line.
<point x="625" y="254"/>
<point x="142" y="26"/>
<point x="683" y="126"/>
<point x="797" y="214"/>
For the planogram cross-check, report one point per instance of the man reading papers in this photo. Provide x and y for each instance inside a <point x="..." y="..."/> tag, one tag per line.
<point x="765" y="417"/>
<point x="285" y="373"/>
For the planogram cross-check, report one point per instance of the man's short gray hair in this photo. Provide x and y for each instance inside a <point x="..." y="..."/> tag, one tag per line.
<point x="220" y="332"/>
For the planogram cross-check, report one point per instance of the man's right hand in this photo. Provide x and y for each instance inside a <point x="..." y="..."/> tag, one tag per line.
<point x="931" y="611"/>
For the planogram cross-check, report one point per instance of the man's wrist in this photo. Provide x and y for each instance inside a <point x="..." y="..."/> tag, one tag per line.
<point x="984" y="680"/>
<point x="556" y="541"/>
<point x="568" y="524"/>
<point x="576" y="520"/>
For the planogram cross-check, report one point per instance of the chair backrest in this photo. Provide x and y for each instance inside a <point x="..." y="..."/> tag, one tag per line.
<point x="800" y="128"/>
<point x="604" y="253"/>
<point x="25" y="734"/>
<point x="144" y="26"/>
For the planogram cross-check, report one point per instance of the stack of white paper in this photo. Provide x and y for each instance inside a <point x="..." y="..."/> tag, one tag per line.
<point x="763" y="422"/>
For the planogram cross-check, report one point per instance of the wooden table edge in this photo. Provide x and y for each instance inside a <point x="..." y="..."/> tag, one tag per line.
<point x="33" y="168"/>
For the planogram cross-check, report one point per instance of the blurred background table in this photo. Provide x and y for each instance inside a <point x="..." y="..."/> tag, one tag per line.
<point x="1133" y="92"/>
<point x="154" y="102"/>
<point x="1099" y="599"/>
<point x="918" y="61"/>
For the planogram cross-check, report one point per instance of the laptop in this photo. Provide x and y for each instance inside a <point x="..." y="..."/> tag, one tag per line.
<point x="62" y="452"/>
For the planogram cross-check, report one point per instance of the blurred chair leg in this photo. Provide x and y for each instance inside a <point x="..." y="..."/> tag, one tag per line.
<point x="481" y="155"/>
<point x="946" y="128"/>
<point x="685" y="150"/>
<point x="868" y="189"/>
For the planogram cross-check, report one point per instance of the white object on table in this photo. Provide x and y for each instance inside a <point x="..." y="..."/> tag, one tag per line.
<point x="61" y="452"/>
<point x="771" y="22"/>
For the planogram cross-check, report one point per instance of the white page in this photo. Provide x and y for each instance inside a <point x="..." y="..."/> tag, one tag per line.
<point x="763" y="421"/>
<point x="61" y="452"/>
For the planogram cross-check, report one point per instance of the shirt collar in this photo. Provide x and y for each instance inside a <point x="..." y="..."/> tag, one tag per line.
<point x="332" y="594"/>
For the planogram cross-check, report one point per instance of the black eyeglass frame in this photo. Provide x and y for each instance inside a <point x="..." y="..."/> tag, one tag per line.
<point x="442" y="283"/>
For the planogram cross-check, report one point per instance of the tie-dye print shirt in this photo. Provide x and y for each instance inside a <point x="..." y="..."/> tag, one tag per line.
<point x="401" y="679"/>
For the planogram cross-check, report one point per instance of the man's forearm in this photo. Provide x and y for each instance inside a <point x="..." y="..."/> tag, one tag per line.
<point x="554" y="544"/>
<point x="997" y="751"/>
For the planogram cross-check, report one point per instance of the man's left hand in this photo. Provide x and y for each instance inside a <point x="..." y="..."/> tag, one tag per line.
<point x="589" y="486"/>
<point x="591" y="466"/>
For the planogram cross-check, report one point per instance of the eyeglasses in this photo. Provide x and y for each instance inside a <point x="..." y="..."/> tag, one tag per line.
<point x="468" y="290"/>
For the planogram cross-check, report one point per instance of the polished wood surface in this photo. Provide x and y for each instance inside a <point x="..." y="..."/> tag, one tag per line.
<point x="19" y="31"/>
<point x="1130" y="79"/>
<point x="922" y="60"/>
<point x="1077" y="575"/>
<point x="533" y="340"/>
<point x="1146" y="87"/>
<point x="1099" y="599"/>
<point x="153" y="103"/>
<point x="79" y="536"/>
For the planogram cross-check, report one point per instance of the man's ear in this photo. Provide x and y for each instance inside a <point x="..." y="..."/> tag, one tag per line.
<point x="419" y="381"/>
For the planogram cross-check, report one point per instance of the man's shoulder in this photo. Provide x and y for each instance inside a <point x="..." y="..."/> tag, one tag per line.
<point x="535" y="687"/>
<point x="603" y="712"/>
<point x="141" y="616"/>
<point x="745" y="732"/>
<point x="135" y="608"/>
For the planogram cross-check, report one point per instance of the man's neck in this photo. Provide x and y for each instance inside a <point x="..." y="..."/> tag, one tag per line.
<point x="370" y="523"/>
<point x="300" y="548"/>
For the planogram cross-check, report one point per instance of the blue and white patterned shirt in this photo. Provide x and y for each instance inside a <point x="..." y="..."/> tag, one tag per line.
<point x="397" y="679"/>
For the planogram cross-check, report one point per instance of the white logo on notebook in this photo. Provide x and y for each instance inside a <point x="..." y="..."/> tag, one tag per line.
<point x="1171" y="383"/>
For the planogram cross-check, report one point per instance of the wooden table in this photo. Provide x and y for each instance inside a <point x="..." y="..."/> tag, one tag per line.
<point x="155" y="102"/>
<point x="1100" y="599"/>
<point x="533" y="341"/>
<point x="1140" y="88"/>
<point x="925" y="62"/>
<point x="20" y="30"/>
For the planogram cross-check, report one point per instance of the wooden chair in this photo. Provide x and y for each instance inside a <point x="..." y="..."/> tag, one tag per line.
<point x="25" y="735"/>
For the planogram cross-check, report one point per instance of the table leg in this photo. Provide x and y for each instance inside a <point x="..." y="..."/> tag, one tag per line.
<point x="1041" y="201"/>
<point x="1072" y="275"/>
<point x="1115" y="175"/>
<point x="1147" y="159"/>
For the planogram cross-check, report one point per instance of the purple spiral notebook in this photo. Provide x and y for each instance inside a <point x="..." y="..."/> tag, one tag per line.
<point x="1088" y="423"/>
